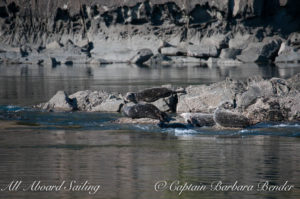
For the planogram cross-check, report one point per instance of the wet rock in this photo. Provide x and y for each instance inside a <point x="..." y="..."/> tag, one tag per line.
<point x="53" y="45"/>
<point x="167" y="104"/>
<point x="158" y="59"/>
<point x="60" y="102"/>
<point x="112" y="104"/>
<point x="260" y="52"/>
<point x="198" y="119"/>
<point x="206" y="99"/>
<point x="97" y="101"/>
<point x="172" y="51"/>
<point x="142" y="56"/>
<point x="242" y="41"/>
<point x="230" y="53"/>
<point x="294" y="39"/>
<point x="202" y="51"/>
<point x="287" y="54"/>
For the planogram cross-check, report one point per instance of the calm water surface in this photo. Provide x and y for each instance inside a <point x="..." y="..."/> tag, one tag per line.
<point x="127" y="160"/>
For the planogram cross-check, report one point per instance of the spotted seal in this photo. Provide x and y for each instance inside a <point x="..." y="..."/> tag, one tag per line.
<point x="151" y="94"/>
<point x="199" y="119"/>
<point x="144" y="111"/>
<point x="225" y="116"/>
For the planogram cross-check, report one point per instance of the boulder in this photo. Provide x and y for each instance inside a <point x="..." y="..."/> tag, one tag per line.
<point x="242" y="41"/>
<point x="287" y="54"/>
<point x="294" y="39"/>
<point x="206" y="99"/>
<point x="142" y="56"/>
<point x="202" y="51"/>
<point x="167" y="104"/>
<point x="172" y="51"/>
<point x="112" y="104"/>
<point x="158" y="59"/>
<point x="260" y="52"/>
<point x="97" y="101"/>
<point x="230" y="53"/>
<point x="60" y="102"/>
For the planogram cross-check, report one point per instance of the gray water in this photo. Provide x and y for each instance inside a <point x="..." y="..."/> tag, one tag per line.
<point x="128" y="160"/>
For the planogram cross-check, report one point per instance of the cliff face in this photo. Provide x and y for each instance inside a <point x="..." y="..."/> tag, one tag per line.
<point x="136" y="23"/>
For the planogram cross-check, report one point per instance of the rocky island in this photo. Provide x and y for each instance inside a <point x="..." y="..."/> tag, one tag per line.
<point x="230" y="103"/>
<point x="152" y="32"/>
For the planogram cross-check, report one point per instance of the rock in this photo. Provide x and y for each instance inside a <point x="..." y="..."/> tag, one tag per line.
<point x="225" y="116"/>
<point x="199" y="119"/>
<point x="97" y="101"/>
<point x="184" y="60"/>
<point x="249" y="8"/>
<point x="202" y="51"/>
<point x="287" y="54"/>
<point x="172" y="51"/>
<point x="260" y="52"/>
<point x="53" y="45"/>
<point x="265" y="110"/>
<point x="158" y="59"/>
<point x="142" y="56"/>
<point x="218" y="41"/>
<point x="100" y="61"/>
<point x="228" y="62"/>
<point x="294" y="39"/>
<point x="167" y="104"/>
<point x="205" y="99"/>
<point x="242" y="41"/>
<point x="60" y="102"/>
<point x="230" y="53"/>
<point x="109" y="105"/>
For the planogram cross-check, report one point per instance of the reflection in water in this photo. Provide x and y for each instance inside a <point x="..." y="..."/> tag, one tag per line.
<point x="30" y="84"/>
<point x="127" y="164"/>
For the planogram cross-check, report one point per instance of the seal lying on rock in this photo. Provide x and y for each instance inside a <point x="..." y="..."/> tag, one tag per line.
<point x="144" y="111"/>
<point x="151" y="94"/>
<point x="225" y="116"/>
<point x="199" y="119"/>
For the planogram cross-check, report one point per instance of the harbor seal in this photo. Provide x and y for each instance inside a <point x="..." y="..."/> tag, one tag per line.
<point x="144" y="111"/>
<point x="225" y="116"/>
<point x="199" y="119"/>
<point x="151" y="94"/>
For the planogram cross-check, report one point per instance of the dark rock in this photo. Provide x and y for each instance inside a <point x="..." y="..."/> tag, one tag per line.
<point x="260" y="52"/>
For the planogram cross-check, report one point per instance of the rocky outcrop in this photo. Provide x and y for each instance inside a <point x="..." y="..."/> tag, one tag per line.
<point x="101" y="31"/>
<point x="230" y="103"/>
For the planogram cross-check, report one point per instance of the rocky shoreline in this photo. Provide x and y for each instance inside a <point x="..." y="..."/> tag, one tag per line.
<point x="153" y="32"/>
<point x="229" y="104"/>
